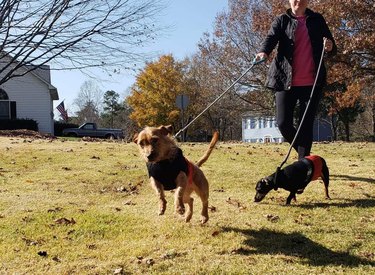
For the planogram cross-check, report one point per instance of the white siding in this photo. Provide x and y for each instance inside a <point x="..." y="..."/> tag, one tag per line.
<point x="260" y="129"/>
<point x="33" y="100"/>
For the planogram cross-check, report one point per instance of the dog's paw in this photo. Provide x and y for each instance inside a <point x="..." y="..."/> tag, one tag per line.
<point x="180" y="209"/>
<point x="204" y="219"/>
<point x="188" y="217"/>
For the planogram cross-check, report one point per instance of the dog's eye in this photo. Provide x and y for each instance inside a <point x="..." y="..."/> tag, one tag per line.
<point x="154" y="140"/>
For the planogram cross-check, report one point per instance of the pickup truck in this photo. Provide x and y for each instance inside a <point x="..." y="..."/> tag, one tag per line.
<point x="90" y="130"/>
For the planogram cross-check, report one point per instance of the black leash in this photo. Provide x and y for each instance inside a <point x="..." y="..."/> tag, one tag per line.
<point x="302" y="119"/>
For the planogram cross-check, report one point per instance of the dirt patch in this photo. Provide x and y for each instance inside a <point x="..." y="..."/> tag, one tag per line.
<point x="23" y="133"/>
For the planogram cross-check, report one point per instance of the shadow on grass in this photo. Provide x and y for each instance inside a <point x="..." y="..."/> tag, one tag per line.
<point x="269" y="242"/>
<point x="361" y="203"/>
<point x="351" y="178"/>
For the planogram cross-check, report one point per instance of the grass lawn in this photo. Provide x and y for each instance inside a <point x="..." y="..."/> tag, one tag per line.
<point x="76" y="207"/>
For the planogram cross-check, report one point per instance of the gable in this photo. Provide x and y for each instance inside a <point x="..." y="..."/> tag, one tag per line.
<point x="41" y="75"/>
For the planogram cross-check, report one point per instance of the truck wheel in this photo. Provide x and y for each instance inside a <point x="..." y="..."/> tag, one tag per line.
<point x="72" y="135"/>
<point x="110" y="136"/>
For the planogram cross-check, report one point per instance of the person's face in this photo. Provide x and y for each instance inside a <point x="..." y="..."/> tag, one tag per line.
<point x="298" y="6"/>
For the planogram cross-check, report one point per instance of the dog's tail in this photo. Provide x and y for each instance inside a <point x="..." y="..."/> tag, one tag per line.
<point x="205" y="157"/>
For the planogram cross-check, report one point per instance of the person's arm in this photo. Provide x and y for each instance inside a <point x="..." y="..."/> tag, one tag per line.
<point x="330" y="45"/>
<point x="271" y="40"/>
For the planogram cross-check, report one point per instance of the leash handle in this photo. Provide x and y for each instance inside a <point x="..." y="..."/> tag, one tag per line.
<point x="254" y="62"/>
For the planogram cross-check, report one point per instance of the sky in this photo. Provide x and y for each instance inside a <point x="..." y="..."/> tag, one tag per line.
<point x="188" y="19"/>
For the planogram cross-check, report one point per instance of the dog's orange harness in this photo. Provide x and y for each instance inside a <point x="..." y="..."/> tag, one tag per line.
<point x="317" y="166"/>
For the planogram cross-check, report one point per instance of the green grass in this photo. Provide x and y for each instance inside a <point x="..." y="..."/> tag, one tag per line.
<point x="102" y="190"/>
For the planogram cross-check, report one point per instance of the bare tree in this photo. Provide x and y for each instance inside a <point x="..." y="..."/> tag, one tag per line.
<point x="89" y="102"/>
<point x="74" y="34"/>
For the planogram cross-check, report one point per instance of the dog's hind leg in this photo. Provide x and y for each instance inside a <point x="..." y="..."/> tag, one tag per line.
<point x="159" y="189"/>
<point x="189" y="201"/>
<point x="291" y="196"/>
<point x="325" y="178"/>
<point x="181" y="182"/>
<point x="203" y="193"/>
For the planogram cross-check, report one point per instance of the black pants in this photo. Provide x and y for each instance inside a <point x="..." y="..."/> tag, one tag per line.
<point x="286" y="101"/>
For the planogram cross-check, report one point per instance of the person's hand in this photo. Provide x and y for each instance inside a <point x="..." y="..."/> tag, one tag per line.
<point x="328" y="44"/>
<point x="260" y="56"/>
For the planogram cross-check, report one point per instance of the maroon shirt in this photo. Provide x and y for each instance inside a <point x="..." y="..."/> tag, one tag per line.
<point x="303" y="65"/>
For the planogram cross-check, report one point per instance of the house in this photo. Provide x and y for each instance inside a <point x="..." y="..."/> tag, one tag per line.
<point x="29" y="96"/>
<point x="263" y="129"/>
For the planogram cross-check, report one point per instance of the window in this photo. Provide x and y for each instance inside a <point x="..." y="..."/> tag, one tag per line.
<point x="89" y="127"/>
<point x="253" y="123"/>
<point x="264" y="123"/>
<point x="4" y="105"/>
<point x="260" y="123"/>
<point x="7" y="108"/>
<point x="3" y="95"/>
<point x="4" y="109"/>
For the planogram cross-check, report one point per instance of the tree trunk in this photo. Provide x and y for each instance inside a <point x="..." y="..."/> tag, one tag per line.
<point x="347" y="131"/>
<point x="333" y="128"/>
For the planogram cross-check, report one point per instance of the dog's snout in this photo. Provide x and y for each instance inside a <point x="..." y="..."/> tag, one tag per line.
<point x="151" y="156"/>
<point x="259" y="197"/>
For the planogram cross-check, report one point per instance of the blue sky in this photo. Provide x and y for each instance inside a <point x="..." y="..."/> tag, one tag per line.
<point x="188" y="19"/>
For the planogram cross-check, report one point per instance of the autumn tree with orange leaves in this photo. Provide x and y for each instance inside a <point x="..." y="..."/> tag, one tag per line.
<point x="229" y="50"/>
<point x="352" y="25"/>
<point x="153" y="96"/>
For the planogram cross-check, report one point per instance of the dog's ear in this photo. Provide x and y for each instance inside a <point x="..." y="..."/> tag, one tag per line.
<point x="165" y="130"/>
<point x="135" y="138"/>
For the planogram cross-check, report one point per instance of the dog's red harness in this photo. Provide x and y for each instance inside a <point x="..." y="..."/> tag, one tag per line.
<point x="317" y="166"/>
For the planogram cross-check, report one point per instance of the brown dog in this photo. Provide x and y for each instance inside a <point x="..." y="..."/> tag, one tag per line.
<point x="168" y="169"/>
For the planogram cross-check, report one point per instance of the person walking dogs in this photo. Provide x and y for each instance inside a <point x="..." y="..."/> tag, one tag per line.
<point x="299" y="33"/>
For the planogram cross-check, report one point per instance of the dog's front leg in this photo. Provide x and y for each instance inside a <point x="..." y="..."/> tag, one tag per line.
<point x="291" y="196"/>
<point x="181" y="182"/>
<point x="159" y="189"/>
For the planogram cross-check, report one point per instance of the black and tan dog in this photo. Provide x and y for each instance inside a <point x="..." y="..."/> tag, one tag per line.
<point x="294" y="178"/>
<point x="168" y="169"/>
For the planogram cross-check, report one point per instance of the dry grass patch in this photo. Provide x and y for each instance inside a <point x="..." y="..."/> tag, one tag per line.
<point x="74" y="207"/>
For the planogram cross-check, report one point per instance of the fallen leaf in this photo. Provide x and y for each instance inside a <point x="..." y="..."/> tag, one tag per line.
<point x="272" y="218"/>
<point x="56" y="209"/>
<point x="65" y="221"/>
<point x="236" y="203"/>
<point x="119" y="271"/>
<point x="56" y="259"/>
<point x="29" y="242"/>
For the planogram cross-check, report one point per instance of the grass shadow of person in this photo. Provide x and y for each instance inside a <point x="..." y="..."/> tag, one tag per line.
<point x="340" y="203"/>
<point x="352" y="178"/>
<point x="269" y="242"/>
